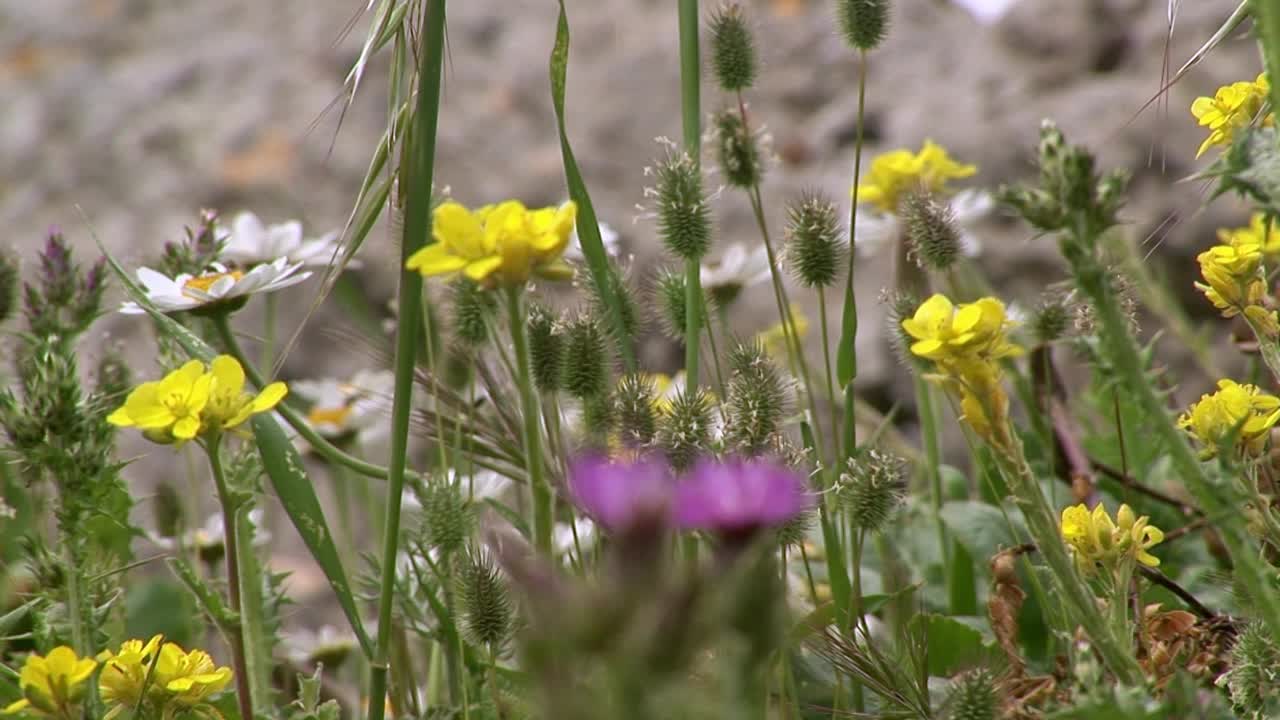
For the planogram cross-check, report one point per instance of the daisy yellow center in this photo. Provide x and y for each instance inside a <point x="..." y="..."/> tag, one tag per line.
<point x="204" y="282"/>
<point x="329" y="415"/>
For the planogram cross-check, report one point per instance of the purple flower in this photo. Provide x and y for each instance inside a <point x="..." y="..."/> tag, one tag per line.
<point x="621" y="495"/>
<point x="738" y="496"/>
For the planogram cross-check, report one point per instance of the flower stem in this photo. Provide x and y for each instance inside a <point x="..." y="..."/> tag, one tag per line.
<point x="847" y="361"/>
<point x="826" y="359"/>
<point x="417" y="166"/>
<point x="230" y="532"/>
<point x="543" y="502"/>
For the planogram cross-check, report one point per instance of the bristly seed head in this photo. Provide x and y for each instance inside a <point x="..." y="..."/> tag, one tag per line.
<point x="684" y="430"/>
<point x="635" y="399"/>
<point x="733" y="51"/>
<point x="900" y="306"/>
<point x="973" y="696"/>
<point x="931" y="231"/>
<point x="863" y="22"/>
<point x="684" y="215"/>
<point x="486" y="609"/>
<point x="546" y="349"/>
<point x="871" y="488"/>
<point x="586" y="365"/>
<point x="756" y="400"/>
<point x="737" y="149"/>
<point x="473" y="307"/>
<point x="815" y="244"/>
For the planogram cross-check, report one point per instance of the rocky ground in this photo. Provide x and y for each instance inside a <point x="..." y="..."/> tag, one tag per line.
<point x="125" y="117"/>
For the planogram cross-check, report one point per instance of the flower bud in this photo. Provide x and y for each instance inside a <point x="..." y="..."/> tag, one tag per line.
<point x="815" y="244"/>
<point x="736" y="149"/>
<point x="546" y="349"/>
<point x="486" y="608"/>
<point x="931" y="231"/>
<point x="684" y="430"/>
<point x="756" y="400"/>
<point x="586" y="366"/>
<point x="684" y="216"/>
<point x="973" y="697"/>
<point x="634" y="401"/>
<point x="871" y="488"/>
<point x="733" y="52"/>
<point x="863" y="22"/>
<point x="473" y="309"/>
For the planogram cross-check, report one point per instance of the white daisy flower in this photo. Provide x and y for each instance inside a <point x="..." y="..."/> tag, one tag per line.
<point x="969" y="207"/>
<point x="340" y="408"/>
<point x="987" y="12"/>
<point x="608" y="237"/>
<point x="737" y="268"/>
<point x="250" y="243"/>
<point x="327" y="646"/>
<point x="216" y="285"/>
<point x="209" y="541"/>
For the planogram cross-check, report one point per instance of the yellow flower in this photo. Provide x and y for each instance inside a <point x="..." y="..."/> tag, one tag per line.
<point x="167" y="409"/>
<point x="1260" y="232"/>
<point x="53" y="684"/>
<point x="189" y="678"/>
<point x="945" y="332"/>
<point x="774" y="339"/>
<point x="1233" y="107"/>
<point x="1095" y="539"/>
<point x="229" y="404"/>
<point x="1234" y="408"/>
<point x="897" y="173"/>
<point x="124" y="674"/>
<point x="497" y="244"/>
<point x="1234" y="281"/>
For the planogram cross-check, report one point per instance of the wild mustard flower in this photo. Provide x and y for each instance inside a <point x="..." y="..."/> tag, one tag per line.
<point x="965" y="343"/>
<point x="189" y="678"/>
<point x="897" y="173"/>
<point x="1232" y="107"/>
<point x="52" y="685"/>
<point x="1095" y="539"/>
<point x="1260" y="231"/>
<point x="170" y="409"/>
<point x="1235" y="282"/>
<point x="497" y="244"/>
<point x="194" y="399"/>
<point x="124" y="674"/>
<point x="1234" y="408"/>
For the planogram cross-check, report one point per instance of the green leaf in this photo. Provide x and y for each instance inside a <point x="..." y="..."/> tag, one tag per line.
<point x="962" y="585"/>
<point x="954" y="644"/>
<point x="284" y="467"/>
<point x="588" y="225"/>
<point x="159" y="607"/>
<point x="982" y="528"/>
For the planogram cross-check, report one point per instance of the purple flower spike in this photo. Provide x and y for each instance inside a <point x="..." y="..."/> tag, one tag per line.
<point x="737" y="496"/>
<point x="618" y="495"/>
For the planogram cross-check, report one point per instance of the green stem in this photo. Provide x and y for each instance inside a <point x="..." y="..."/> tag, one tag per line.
<point x="826" y="359"/>
<point x="847" y="361"/>
<point x="543" y="502"/>
<point x="235" y="636"/>
<point x="269" y="332"/>
<point x="417" y="166"/>
<point x="690" y="80"/>
<point x="1266" y="15"/>
<point x="933" y="460"/>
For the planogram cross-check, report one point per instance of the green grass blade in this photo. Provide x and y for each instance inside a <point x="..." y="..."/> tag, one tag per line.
<point x="588" y="225"/>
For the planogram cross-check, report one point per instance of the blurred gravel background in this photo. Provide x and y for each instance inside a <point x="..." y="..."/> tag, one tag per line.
<point x="128" y="116"/>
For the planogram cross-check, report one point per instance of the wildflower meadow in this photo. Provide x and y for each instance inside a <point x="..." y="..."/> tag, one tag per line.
<point x="559" y="485"/>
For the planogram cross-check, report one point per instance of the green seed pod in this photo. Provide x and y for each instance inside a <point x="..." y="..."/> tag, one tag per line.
<point x="634" y="402"/>
<point x="473" y="310"/>
<point x="733" y="51"/>
<point x="756" y="400"/>
<point x="931" y="231"/>
<point x="546" y="349"/>
<point x="9" y="282"/>
<point x="815" y="244"/>
<point x="863" y="22"/>
<point x="447" y="518"/>
<point x="684" y="430"/>
<point x="973" y="696"/>
<point x="486" y="608"/>
<point x="736" y="149"/>
<point x="871" y="488"/>
<point x="684" y="216"/>
<point x="671" y="294"/>
<point x="586" y="365"/>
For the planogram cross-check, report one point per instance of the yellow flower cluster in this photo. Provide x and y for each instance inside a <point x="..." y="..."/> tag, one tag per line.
<point x="1235" y="282"/>
<point x="52" y="685"/>
<point x="895" y="174"/>
<point x="1094" y="539"/>
<point x="1241" y="409"/>
<point x="194" y="400"/>
<point x="1261" y="231"/>
<point x="965" y="343"/>
<point x="1233" y="107"/>
<point x="180" y="680"/>
<point x="499" y="244"/>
